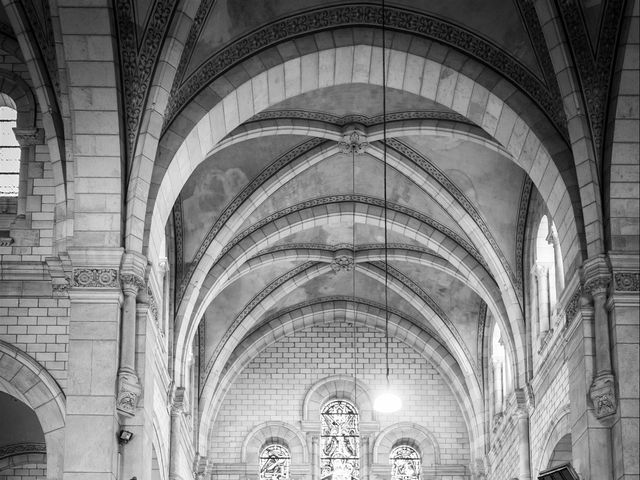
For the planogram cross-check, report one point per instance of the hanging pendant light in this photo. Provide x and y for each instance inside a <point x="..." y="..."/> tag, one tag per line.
<point x="387" y="401"/>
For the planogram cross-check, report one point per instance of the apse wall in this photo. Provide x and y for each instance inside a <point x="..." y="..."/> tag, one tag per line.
<point x="273" y="387"/>
<point x="35" y="471"/>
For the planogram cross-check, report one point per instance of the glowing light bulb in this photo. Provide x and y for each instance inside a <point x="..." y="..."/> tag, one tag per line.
<point x="387" y="402"/>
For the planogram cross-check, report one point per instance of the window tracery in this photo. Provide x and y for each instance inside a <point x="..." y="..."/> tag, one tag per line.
<point x="340" y="439"/>
<point x="275" y="462"/>
<point x="405" y="463"/>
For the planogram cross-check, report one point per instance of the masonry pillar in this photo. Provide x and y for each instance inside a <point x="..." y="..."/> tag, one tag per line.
<point x="524" y="461"/>
<point x="591" y="444"/>
<point x="315" y="455"/>
<point x="542" y="273"/>
<point x="624" y="310"/>
<point x="27" y="138"/>
<point x="90" y="449"/>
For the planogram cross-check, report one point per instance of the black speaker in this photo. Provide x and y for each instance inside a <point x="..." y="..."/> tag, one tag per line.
<point x="561" y="472"/>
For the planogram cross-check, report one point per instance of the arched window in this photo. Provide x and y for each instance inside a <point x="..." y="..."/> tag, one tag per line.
<point x="274" y="462"/>
<point x="9" y="153"/>
<point x="340" y="440"/>
<point x="405" y="463"/>
<point x="547" y="279"/>
<point x="500" y="375"/>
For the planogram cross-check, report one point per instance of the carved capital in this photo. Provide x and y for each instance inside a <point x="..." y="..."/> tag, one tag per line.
<point x="131" y="283"/>
<point x="353" y="140"/>
<point x="28" y="137"/>
<point x="129" y="391"/>
<point x="541" y="271"/>
<point x="597" y="286"/>
<point x="603" y="395"/>
<point x="177" y="400"/>
<point x="342" y="260"/>
<point x="95" y="278"/>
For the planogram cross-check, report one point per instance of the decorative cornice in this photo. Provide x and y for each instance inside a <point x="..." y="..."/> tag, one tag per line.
<point x="571" y="309"/>
<point x="482" y="321"/>
<point x="360" y="15"/>
<point x="525" y="196"/>
<point x="464" y="202"/>
<point x="178" y="239"/>
<point x="359" y="119"/>
<point x="153" y="307"/>
<point x="626" y="282"/>
<point x="138" y="64"/>
<point x="98" y="277"/>
<point x="28" y="137"/>
<point x="21" y="449"/>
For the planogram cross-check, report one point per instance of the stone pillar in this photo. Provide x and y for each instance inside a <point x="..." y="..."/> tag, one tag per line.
<point x="557" y="260"/>
<point x="91" y="426"/>
<point x="624" y="311"/>
<point x="180" y="462"/>
<point x="524" y="461"/>
<point x="315" y="457"/>
<point x="129" y="390"/>
<point x="602" y="390"/>
<point x="365" y="461"/>
<point x="27" y="138"/>
<point x="542" y="273"/>
<point x="591" y="444"/>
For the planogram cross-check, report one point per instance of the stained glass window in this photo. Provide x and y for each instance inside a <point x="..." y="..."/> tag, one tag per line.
<point x="405" y="463"/>
<point x="9" y="153"/>
<point x="340" y="454"/>
<point x="274" y="463"/>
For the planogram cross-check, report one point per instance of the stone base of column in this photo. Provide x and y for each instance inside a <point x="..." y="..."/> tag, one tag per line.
<point x="603" y="395"/>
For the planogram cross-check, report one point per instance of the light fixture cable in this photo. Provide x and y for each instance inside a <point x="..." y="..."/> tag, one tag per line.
<point x="353" y="277"/>
<point x="384" y="162"/>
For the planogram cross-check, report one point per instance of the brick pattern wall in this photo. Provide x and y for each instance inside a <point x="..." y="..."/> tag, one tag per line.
<point x="273" y="387"/>
<point x="36" y="471"/>
<point x="503" y="456"/>
<point x="548" y="406"/>
<point x="40" y="327"/>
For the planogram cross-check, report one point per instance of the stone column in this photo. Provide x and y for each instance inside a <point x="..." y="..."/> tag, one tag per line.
<point x="524" y="461"/>
<point x="27" y="138"/>
<point x="591" y="440"/>
<point x="557" y="260"/>
<point x="542" y="273"/>
<point x="315" y="457"/>
<point x="365" y="461"/>
<point x="602" y="390"/>
<point x="129" y="390"/>
<point x="179" y="465"/>
<point x="91" y="427"/>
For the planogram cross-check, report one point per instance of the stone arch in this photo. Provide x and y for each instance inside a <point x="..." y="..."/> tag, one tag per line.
<point x="15" y="461"/>
<point x="299" y="317"/>
<point x="559" y="428"/>
<point x="415" y="435"/>
<point x="273" y="432"/>
<point x="398" y="221"/>
<point x="27" y="380"/>
<point x="293" y="77"/>
<point x="17" y="89"/>
<point x="338" y="387"/>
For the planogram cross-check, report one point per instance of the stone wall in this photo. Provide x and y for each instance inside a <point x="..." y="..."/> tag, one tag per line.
<point x="273" y="387"/>
<point x="25" y="472"/>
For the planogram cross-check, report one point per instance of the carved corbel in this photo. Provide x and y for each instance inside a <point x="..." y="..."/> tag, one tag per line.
<point x="129" y="392"/>
<point x="603" y="395"/>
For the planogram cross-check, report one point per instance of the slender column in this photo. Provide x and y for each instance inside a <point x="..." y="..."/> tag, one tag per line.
<point x="542" y="272"/>
<point x="177" y="408"/>
<point x="524" y="462"/>
<point x="557" y="260"/>
<point x="315" y="457"/>
<point x="364" y="455"/>
<point x="27" y="138"/>
<point x="128" y="385"/>
<point x="535" y="310"/>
